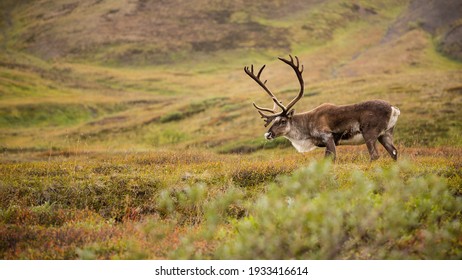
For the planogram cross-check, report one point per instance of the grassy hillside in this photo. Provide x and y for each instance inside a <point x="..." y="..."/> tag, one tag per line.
<point x="127" y="125"/>
<point x="94" y="86"/>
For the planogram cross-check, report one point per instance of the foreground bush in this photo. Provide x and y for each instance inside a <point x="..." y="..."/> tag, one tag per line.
<point x="309" y="215"/>
<point x="180" y="205"/>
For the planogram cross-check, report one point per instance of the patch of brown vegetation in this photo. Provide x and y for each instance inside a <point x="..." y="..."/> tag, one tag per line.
<point x="150" y="30"/>
<point x="438" y="17"/>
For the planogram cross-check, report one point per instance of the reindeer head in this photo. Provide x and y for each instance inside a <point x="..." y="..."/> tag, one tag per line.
<point x="282" y="120"/>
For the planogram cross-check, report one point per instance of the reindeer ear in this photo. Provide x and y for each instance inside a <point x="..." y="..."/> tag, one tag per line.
<point x="291" y="113"/>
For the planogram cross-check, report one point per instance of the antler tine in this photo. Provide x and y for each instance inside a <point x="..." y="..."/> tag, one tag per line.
<point x="261" y="70"/>
<point x="291" y="63"/>
<point x="264" y="109"/>
<point x="268" y="118"/>
<point x="298" y="72"/>
<point x="298" y="62"/>
<point x="298" y="65"/>
<point x="263" y="115"/>
<point x="256" y="78"/>
<point x="270" y="115"/>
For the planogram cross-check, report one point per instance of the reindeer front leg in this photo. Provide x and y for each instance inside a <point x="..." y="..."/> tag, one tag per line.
<point x="330" y="148"/>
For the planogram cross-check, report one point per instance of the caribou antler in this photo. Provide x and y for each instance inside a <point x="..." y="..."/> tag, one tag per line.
<point x="256" y="78"/>
<point x="298" y="72"/>
<point x="285" y="110"/>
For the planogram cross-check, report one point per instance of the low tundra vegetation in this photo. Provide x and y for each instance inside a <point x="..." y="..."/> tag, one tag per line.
<point x="186" y="205"/>
<point x="381" y="215"/>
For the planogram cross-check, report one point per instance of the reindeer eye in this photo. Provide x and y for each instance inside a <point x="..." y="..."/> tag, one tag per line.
<point x="283" y="122"/>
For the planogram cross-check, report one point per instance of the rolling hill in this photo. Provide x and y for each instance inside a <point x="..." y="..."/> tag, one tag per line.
<point x="159" y="74"/>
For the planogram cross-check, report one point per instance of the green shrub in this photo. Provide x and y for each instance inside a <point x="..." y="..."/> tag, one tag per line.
<point x="172" y="116"/>
<point x="251" y="174"/>
<point x="250" y="146"/>
<point x="191" y="109"/>
<point x="196" y="204"/>
<point x="309" y="216"/>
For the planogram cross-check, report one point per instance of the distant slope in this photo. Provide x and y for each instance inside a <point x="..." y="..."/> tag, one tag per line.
<point x="140" y="32"/>
<point x="441" y="18"/>
<point x="168" y="74"/>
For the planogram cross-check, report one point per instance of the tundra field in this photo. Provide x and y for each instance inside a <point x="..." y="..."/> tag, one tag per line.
<point x="127" y="130"/>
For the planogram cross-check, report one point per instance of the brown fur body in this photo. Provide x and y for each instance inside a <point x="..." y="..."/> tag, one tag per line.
<point x="329" y="125"/>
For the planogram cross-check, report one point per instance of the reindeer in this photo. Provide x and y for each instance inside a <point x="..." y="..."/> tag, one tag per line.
<point x="328" y="125"/>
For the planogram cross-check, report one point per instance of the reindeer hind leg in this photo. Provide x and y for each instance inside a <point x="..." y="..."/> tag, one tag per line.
<point x="387" y="142"/>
